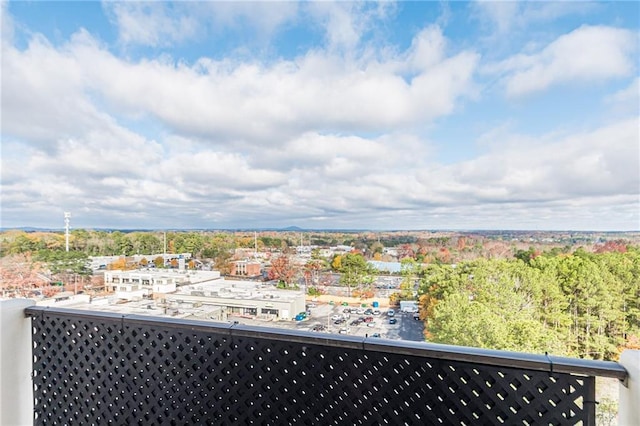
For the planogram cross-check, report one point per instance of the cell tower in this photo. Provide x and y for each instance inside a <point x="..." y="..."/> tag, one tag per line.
<point x="67" y="217"/>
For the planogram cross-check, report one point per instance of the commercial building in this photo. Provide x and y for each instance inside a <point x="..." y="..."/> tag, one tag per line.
<point x="206" y="292"/>
<point x="136" y="284"/>
<point x="239" y="298"/>
<point x="247" y="268"/>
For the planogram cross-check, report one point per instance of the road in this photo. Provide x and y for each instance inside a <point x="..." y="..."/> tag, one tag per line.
<point x="406" y="328"/>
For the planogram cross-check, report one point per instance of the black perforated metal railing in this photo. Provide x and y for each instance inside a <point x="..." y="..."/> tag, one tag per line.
<point x="101" y="368"/>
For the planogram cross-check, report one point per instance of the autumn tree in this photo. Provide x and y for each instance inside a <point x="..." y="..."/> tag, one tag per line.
<point x="20" y="275"/>
<point x="376" y="248"/>
<point x="120" y="264"/>
<point x="619" y="246"/>
<point x="336" y="263"/>
<point x="406" y="250"/>
<point x="282" y="270"/>
<point x="462" y="243"/>
<point x="313" y="267"/>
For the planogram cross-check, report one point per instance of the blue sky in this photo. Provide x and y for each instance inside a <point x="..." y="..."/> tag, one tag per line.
<point x="391" y="115"/>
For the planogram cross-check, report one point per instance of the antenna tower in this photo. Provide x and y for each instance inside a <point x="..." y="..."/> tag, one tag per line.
<point x="67" y="217"/>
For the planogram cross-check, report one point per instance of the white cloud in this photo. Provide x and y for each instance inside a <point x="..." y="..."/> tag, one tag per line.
<point x="42" y="93"/>
<point x="336" y="137"/>
<point x="6" y="23"/>
<point x="588" y="164"/>
<point x="162" y="24"/>
<point x="427" y="49"/>
<point x="265" y="17"/>
<point x="152" y="23"/>
<point x="502" y="17"/>
<point x="345" y="23"/>
<point x="589" y="53"/>
<point x="630" y="95"/>
<point x="234" y="100"/>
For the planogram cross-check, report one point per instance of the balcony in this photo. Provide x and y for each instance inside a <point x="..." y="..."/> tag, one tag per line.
<point x="104" y="368"/>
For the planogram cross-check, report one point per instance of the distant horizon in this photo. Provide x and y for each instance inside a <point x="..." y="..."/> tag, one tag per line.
<point x="514" y="115"/>
<point x="299" y="229"/>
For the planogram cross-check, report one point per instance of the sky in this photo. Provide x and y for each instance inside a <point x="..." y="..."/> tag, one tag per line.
<point x="321" y="115"/>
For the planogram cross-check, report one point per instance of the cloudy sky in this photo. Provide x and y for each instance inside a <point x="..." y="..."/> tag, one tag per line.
<point x="393" y="115"/>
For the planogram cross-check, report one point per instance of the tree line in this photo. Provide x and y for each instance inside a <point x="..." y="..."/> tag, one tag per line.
<point x="565" y="300"/>
<point x="583" y="304"/>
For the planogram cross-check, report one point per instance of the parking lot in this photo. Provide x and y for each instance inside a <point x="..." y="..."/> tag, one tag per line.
<point x="325" y="316"/>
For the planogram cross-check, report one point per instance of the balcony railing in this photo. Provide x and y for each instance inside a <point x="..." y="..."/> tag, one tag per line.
<point x="104" y="368"/>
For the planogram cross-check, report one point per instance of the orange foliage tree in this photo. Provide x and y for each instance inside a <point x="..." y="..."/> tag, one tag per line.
<point x="282" y="270"/>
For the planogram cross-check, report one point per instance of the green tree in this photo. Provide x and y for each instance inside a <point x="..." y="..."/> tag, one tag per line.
<point x="23" y="244"/>
<point x="146" y="243"/>
<point x="409" y="269"/>
<point x="123" y="245"/>
<point x="71" y="266"/>
<point x="354" y="271"/>
<point x="485" y="303"/>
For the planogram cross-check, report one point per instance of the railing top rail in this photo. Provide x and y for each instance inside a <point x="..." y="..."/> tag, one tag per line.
<point x="517" y="360"/>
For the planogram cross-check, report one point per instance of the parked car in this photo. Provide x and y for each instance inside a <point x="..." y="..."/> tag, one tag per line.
<point x="376" y="335"/>
<point x="344" y="330"/>
<point x="416" y="316"/>
<point x="368" y="319"/>
<point x="393" y="321"/>
<point x="336" y="317"/>
<point x="339" y="321"/>
<point x="318" y="327"/>
<point x="376" y="312"/>
<point x="368" y="312"/>
<point x="391" y="312"/>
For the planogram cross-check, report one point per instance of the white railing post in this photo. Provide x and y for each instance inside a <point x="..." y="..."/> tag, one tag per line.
<point x="629" y="399"/>
<point x="16" y="393"/>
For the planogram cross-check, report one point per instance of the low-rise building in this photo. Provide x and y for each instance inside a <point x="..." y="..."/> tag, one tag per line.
<point x="240" y="298"/>
<point x="131" y="285"/>
<point x="183" y="290"/>
<point x="250" y="268"/>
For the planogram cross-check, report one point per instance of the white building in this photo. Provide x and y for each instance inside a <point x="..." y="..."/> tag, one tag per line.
<point x="136" y="284"/>
<point x="240" y="298"/>
<point x="183" y="290"/>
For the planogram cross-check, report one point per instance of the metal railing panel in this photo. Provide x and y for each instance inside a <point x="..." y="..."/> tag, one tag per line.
<point x="107" y="368"/>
